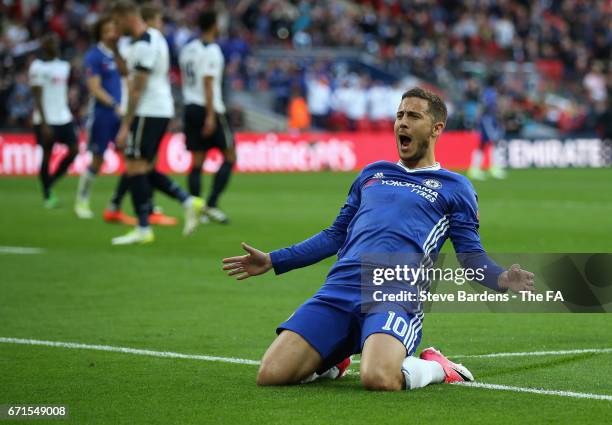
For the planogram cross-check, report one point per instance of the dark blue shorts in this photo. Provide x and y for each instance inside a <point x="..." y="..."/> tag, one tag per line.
<point x="334" y="324"/>
<point x="103" y="128"/>
<point x="490" y="131"/>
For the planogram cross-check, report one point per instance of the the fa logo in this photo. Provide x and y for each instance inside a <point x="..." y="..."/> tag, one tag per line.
<point x="379" y="175"/>
<point x="432" y="183"/>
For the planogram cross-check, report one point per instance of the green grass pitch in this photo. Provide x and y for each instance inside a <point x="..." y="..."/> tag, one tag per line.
<point x="173" y="296"/>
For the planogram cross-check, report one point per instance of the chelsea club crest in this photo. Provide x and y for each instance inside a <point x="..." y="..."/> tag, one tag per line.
<point x="432" y="183"/>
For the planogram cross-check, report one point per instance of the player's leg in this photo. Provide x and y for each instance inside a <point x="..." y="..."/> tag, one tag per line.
<point x="65" y="134"/>
<point x="381" y="363"/>
<point x="82" y="207"/>
<point x="47" y="147"/>
<point x="314" y="339"/>
<point x="98" y="139"/>
<point x="193" y="120"/>
<point x="113" y="213"/>
<point x="475" y="171"/>
<point x="224" y="139"/>
<point x="192" y="205"/>
<point x="137" y="167"/>
<point x="496" y="169"/>
<point x="164" y="184"/>
<point x="288" y="360"/>
<point x="141" y="192"/>
<point x="194" y="179"/>
<point x="390" y="338"/>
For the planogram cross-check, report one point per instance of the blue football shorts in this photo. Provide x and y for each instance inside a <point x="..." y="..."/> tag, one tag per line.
<point x="102" y="128"/>
<point x="334" y="323"/>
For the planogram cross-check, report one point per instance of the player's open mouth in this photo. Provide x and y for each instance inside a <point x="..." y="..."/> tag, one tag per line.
<point x="404" y="141"/>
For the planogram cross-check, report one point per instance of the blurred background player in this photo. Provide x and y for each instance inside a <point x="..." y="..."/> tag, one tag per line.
<point x="104" y="68"/>
<point x="152" y="16"/>
<point x="205" y="121"/>
<point x="113" y="214"/>
<point x="491" y="132"/>
<point x="52" y="119"/>
<point x="149" y="110"/>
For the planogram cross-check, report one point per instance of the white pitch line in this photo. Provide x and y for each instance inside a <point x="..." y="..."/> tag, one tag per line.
<point x="537" y="353"/>
<point x="170" y="354"/>
<point x="571" y="394"/>
<point x="529" y="353"/>
<point x="20" y="250"/>
<point x="166" y="354"/>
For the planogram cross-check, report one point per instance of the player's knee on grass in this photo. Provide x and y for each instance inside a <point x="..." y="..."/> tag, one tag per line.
<point x="378" y="377"/>
<point x="283" y="370"/>
<point x="381" y="363"/>
<point x="272" y="372"/>
<point x="289" y="360"/>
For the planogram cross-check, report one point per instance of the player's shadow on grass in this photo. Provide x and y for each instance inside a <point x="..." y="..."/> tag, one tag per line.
<point x="533" y="365"/>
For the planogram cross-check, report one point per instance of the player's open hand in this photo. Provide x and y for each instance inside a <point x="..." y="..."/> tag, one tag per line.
<point x="517" y="279"/>
<point x="256" y="262"/>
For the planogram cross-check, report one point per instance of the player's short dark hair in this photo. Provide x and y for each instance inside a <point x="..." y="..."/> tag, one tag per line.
<point x="207" y="20"/>
<point x="149" y="11"/>
<point x="98" y="26"/>
<point x="122" y="7"/>
<point x="435" y="105"/>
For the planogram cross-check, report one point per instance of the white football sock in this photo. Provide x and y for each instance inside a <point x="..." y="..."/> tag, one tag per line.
<point x="497" y="159"/>
<point x="419" y="373"/>
<point x="187" y="203"/>
<point x="476" y="159"/>
<point x="85" y="182"/>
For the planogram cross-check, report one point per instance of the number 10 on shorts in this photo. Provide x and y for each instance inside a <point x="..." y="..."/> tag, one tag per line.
<point x="398" y="325"/>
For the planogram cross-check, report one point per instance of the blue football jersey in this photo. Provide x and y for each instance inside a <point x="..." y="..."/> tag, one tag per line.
<point x="100" y="61"/>
<point x="392" y="209"/>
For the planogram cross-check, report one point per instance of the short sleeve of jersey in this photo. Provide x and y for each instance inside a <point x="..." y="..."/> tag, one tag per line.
<point x="143" y="56"/>
<point x="93" y="65"/>
<point x="35" y="74"/>
<point x="212" y="64"/>
<point x="464" y="221"/>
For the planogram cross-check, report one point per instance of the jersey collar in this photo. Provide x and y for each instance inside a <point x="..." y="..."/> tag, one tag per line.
<point x="434" y="167"/>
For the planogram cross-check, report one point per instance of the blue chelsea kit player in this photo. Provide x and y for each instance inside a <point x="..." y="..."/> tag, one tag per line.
<point x="409" y="207"/>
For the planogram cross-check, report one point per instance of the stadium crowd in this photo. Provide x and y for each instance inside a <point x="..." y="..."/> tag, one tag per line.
<point x="551" y="58"/>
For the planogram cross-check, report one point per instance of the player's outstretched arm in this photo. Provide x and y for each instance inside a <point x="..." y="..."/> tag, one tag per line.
<point x="516" y="279"/>
<point x="256" y="262"/>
